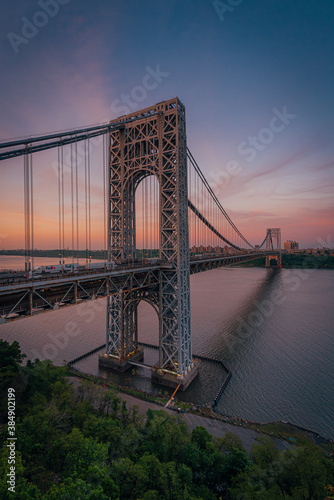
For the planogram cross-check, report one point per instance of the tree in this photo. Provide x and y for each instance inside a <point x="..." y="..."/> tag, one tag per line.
<point x="298" y="473"/>
<point x="235" y="463"/>
<point x="76" y="489"/>
<point x="10" y="361"/>
<point x="10" y="355"/>
<point x="165" y="435"/>
<point x="201" y="437"/>
<point x="230" y="441"/>
<point x="264" y="453"/>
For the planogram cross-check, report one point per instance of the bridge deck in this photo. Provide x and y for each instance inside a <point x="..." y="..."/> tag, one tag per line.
<point x="28" y="298"/>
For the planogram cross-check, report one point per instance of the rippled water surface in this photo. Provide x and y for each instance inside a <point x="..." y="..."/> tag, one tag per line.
<point x="274" y="331"/>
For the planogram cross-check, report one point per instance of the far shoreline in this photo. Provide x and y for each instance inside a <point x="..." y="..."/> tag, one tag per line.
<point x="321" y="259"/>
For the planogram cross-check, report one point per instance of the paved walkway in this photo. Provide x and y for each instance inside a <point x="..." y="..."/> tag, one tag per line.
<point x="215" y="427"/>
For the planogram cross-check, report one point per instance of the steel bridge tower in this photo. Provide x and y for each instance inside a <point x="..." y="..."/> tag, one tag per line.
<point x="273" y="242"/>
<point x="154" y="144"/>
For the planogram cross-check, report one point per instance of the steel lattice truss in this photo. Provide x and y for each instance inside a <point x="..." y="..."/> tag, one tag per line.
<point x="32" y="298"/>
<point x="153" y="145"/>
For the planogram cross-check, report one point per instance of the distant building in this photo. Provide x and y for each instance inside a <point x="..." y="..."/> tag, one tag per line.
<point x="291" y="245"/>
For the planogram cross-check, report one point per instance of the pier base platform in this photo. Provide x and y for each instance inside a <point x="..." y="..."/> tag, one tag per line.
<point x="170" y="379"/>
<point x="121" y="365"/>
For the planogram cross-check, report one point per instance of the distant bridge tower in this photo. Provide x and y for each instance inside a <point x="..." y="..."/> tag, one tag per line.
<point x="154" y="145"/>
<point x="274" y="243"/>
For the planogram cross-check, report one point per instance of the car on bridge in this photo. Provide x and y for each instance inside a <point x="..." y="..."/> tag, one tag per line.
<point x="33" y="276"/>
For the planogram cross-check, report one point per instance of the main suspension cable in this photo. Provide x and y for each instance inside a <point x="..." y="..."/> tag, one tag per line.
<point x="217" y="202"/>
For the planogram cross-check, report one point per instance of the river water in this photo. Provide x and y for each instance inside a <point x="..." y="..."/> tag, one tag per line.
<point x="273" y="329"/>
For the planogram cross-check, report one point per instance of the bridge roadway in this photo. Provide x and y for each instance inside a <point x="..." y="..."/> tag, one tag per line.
<point x="28" y="298"/>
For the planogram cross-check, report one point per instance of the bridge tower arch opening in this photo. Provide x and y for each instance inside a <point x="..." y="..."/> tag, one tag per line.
<point x="147" y="231"/>
<point x="154" y="144"/>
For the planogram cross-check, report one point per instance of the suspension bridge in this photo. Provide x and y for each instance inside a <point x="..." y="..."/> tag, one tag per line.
<point x="184" y="229"/>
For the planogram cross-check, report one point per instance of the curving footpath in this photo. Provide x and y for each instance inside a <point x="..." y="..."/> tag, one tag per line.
<point x="215" y="427"/>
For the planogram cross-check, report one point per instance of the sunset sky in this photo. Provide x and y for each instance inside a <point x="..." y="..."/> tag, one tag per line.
<point x="256" y="78"/>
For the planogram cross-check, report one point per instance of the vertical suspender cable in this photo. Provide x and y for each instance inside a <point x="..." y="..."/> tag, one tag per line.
<point x="72" y="202"/>
<point x="77" y="200"/>
<point x="27" y="212"/>
<point x="146" y="184"/>
<point x="200" y="239"/>
<point x="104" y="192"/>
<point x="206" y="229"/>
<point x="196" y="201"/>
<point x="63" y="202"/>
<point x="31" y="211"/>
<point x="190" y="217"/>
<point x="148" y="221"/>
<point x="157" y="215"/>
<point x="152" y="214"/>
<point x="203" y="225"/>
<point x="145" y="216"/>
<point x="59" y="205"/>
<point x="133" y="204"/>
<point x="197" y="219"/>
<point x="89" y="204"/>
<point x="212" y="222"/>
<point x="143" y="219"/>
<point x="202" y="209"/>
<point x="146" y="181"/>
<point x="26" y="227"/>
<point x="86" y="204"/>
